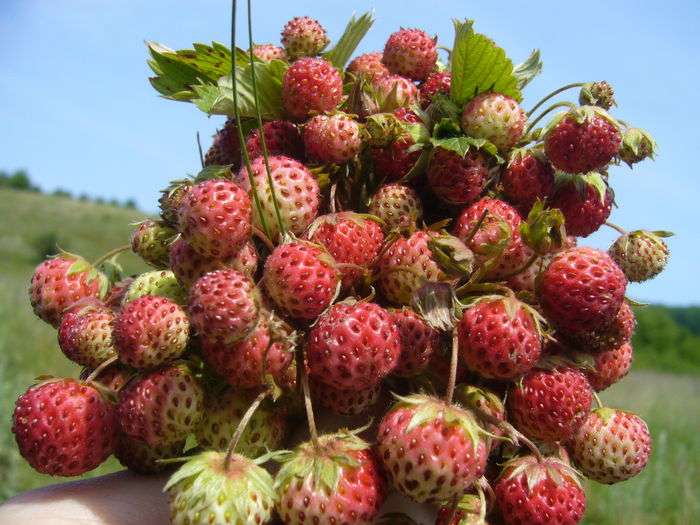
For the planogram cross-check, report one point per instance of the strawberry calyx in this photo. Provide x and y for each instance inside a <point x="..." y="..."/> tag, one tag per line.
<point x="537" y="470"/>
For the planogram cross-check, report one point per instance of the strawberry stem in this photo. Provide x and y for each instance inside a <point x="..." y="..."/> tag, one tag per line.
<point x="111" y="254"/>
<point x="242" y="426"/>
<point x="597" y="400"/>
<point x="615" y="227"/>
<point x="554" y="94"/>
<point x="449" y="394"/>
<point x="97" y="371"/>
<point x="199" y="149"/>
<point x="307" y="399"/>
<point x="263" y="238"/>
<point x="547" y="111"/>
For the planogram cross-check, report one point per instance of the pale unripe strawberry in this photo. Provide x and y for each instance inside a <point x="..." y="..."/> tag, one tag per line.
<point x="161" y="283"/>
<point x="311" y="84"/>
<point x="496" y="118"/>
<point x="142" y="458"/>
<point x="398" y="206"/>
<point x="418" y="339"/>
<point x="85" y="334"/>
<point x="332" y="139"/>
<point x="640" y="254"/>
<point x="345" y="402"/>
<point x="188" y="265"/>
<point x="611" y="445"/>
<point x="368" y="64"/>
<point x="411" y="53"/>
<point x="269" y="52"/>
<point x="151" y="241"/>
<point x="395" y="91"/>
<point x="303" y="37"/>
<point x="296" y="190"/>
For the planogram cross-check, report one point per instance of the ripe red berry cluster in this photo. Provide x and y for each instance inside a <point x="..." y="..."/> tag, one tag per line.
<point x="381" y="241"/>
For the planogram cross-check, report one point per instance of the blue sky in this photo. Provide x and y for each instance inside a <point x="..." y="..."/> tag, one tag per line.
<point x="79" y="113"/>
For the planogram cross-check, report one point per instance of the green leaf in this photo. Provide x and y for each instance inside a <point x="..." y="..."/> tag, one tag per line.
<point x="479" y="65"/>
<point x="345" y="46"/>
<point x="462" y="144"/>
<point x="529" y="69"/>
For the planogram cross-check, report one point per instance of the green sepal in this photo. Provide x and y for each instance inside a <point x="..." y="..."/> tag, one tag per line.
<point x="529" y="69"/>
<point x="461" y="145"/>
<point x="355" y="31"/>
<point x="583" y="180"/>
<point x="214" y="172"/>
<point x="112" y="270"/>
<point x="599" y="94"/>
<point x="544" y="230"/>
<point x="442" y="107"/>
<point x="452" y="255"/>
<point x="381" y="129"/>
<point x="536" y="471"/>
<point x="637" y="145"/>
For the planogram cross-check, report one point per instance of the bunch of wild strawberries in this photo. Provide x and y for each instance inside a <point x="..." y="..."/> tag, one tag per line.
<point x="336" y="258"/>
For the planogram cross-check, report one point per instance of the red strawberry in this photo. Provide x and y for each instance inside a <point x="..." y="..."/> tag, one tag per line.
<point x="395" y="91"/>
<point x="225" y="148"/>
<point x="281" y="138"/>
<point x="455" y="179"/>
<point x="162" y="406"/>
<point x="224" y="305"/>
<point x="614" y="335"/>
<point x="418" y="341"/>
<point x="394" y="161"/>
<point x="432" y="451"/>
<point x="438" y="82"/>
<point x="610" y="366"/>
<point x="345" y="402"/>
<point x="353" y="346"/>
<point x="611" y="445"/>
<point x="142" y="458"/>
<point x="640" y="254"/>
<point x="311" y="84"/>
<point x="151" y="241"/>
<point x="526" y="179"/>
<point x="269" y="52"/>
<point x="399" y="207"/>
<point x="351" y="239"/>
<point x="539" y="492"/>
<point x="584" y="208"/>
<point x="63" y="427"/>
<point x="301" y="279"/>
<point x="582" y="143"/>
<point x="499" y="338"/>
<point x="339" y="481"/>
<point x="150" y="331"/>
<point x="496" y="118"/>
<point x="369" y="64"/>
<point x="60" y="282"/>
<point x="188" y="265"/>
<point x="582" y="290"/>
<point x="411" y="53"/>
<point x="85" y="334"/>
<point x="332" y="138"/>
<point x="215" y="218"/>
<point x="550" y="405"/>
<point x="303" y="37"/>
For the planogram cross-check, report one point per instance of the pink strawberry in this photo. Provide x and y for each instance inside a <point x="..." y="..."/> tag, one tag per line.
<point x="369" y="64"/>
<point x="581" y="290"/>
<point x="215" y="218"/>
<point x="150" y="331"/>
<point x="496" y="118"/>
<point x="432" y="451"/>
<point x="395" y="91"/>
<point x="351" y="239"/>
<point x="526" y="179"/>
<point x="438" y="82"/>
<point x="353" y="346"/>
<point x="311" y="84"/>
<point x="269" y="52"/>
<point x="85" y="334"/>
<point x="60" y="282"/>
<point x="64" y="427"/>
<point x="550" y="405"/>
<point x="584" y="209"/>
<point x="418" y="342"/>
<point x="394" y="161"/>
<point x="457" y="180"/>
<point x="301" y="279"/>
<point x="345" y="402"/>
<point x="162" y="406"/>
<point x="499" y="338"/>
<point x="224" y="305"/>
<point x="610" y="366"/>
<point x="398" y="206"/>
<point x="411" y="53"/>
<point x="281" y="138"/>
<point x="225" y="148"/>
<point x="332" y="139"/>
<point x="303" y="37"/>
<point x="188" y="265"/>
<point x="151" y="241"/>
<point x="142" y="458"/>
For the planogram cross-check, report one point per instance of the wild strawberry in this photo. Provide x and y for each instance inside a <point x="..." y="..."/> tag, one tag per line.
<point x="394" y="161"/>
<point x="268" y="350"/>
<point x="85" y="334"/>
<point x="301" y="279"/>
<point x="60" y="282"/>
<point x="579" y="143"/>
<point x="418" y="342"/>
<point x="353" y="346"/>
<point x="615" y="334"/>
<point x="171" y="198"/>
<point x="162" y="406"/>
<point x="64" y="427"/>
<point x="336" y="481"/>
<point x="496" y="118"/>
<point x="584" y="208"/>
<point x="398" y="206"/>
<point x="269" y="52"/>
<point x="611" y="445"/>
<point x="311" y="84"/>
<point x="455" y="179"/>
<point x="499" y="338"/>
<point x="351" y="239"/>
<point x="296" y="190"/>
<point x="527" y="178"/>
<point x="303" y="37"/>
<point x="159" y="282"/>
<point x="395" y="91"/>
<point x="150" y="331"/>
<point x="610" y="366"/>
<point x="225" y="148"/>
<point x="215" y="218"/>
<point x="264" y="431"/>
<point x="641" y="255"/>
<point x="142" y="458"/>
<point x="406" y="265"/>
<point x="530" y="491"/>
<point x="599" y="94"/>
<point x="486" y="405"/>
<point x="224" y="305"/>
<point x="411" y="53"/>
<point x="432" y="451"/>
<point x="332" y="139"/>
<point x="345" y="402"/>
<point x="215" y="488"/>
<point x="581" y="290"/>
<point x="637" y="145"/>
<point x="188" y="265"/>
<point x="526" y="280"/>
<point x="550" y="405"/>
<point x="438" y="82"/>
<point x="151" y="241"/>
<point x="368" y="64"/>
<point x="281" y="138"/>
<point x="500" y="226"/>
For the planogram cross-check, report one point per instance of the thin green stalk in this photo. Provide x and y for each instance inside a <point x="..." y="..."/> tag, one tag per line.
<point x="199" y="148"/>
<point x="549" y="110"/>
<point x="242" y="424"/>
<point x="615" y="227"/>
<point x="110" y="254"/>
<point x="554" y="94"/>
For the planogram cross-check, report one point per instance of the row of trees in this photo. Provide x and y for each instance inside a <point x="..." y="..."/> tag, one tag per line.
<point x="668" y="339"/>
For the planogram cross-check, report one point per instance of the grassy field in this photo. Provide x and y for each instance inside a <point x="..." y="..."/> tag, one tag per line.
<point x="666" y="493"/>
